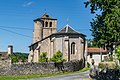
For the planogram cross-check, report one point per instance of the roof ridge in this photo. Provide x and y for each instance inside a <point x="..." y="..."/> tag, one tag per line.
<point x="46" y="15"/>
<point x="73" y="29"/>
<point x="67" y="28"/>
<point x="61" y="29"/>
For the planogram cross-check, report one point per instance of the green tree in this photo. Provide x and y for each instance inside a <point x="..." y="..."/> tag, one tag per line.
<point x="21" y="56"/>
<point x="118" y="52"/>
<point x="17" y="56"/>
<point x="13" y="58"/>
<point x="106" y="26"/>
<point x="91" y="43"/>
<point x="43" y="57"/>
<point x="57" y="57"/>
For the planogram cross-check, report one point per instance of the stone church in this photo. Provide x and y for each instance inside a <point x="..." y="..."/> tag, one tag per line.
<point x="46" y="38"/>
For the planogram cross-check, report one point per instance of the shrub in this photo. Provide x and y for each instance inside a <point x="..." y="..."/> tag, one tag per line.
<point x="13" y="58"/>
<point x="109" y="65"/>
<point x="57" y="57"/>
<point x="43" y="57"/>
<point x="18" y="56"/>
<point x="117" y="67"/>
<point x="111" y="58"/>
<point x="118" y="52"/>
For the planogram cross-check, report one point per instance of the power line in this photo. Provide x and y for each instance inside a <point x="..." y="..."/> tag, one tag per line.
<point x="15" y="33"/>
<point x="3" y="28"/>
<point x="16" y="28"/>
<point x="24" y="28"/>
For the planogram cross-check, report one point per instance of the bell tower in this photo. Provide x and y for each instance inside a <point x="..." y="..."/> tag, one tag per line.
<point x="44" y="27"/>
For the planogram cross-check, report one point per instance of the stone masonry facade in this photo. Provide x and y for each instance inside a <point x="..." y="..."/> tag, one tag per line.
<point x="46" y="38"/>
<point x="40" y="68"/>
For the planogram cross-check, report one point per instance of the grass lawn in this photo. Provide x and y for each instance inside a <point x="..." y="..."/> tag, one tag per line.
<point x="38" y="75"/>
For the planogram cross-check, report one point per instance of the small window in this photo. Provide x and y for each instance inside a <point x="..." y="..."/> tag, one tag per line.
<point x="46" y="24"/>
<point x="50" y="24"/>
<point x="43" y="23"/>
<point x="47" y="15"/>
<point x="73" y="48"/>
<point x="90" y="55"/>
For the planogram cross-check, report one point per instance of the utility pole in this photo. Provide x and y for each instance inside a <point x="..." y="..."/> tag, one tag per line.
<point x="100" y="54"/>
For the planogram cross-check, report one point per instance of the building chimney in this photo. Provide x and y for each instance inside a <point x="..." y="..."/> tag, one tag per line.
<point x="10" y="49"/>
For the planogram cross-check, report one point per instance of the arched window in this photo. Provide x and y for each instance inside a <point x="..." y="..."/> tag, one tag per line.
<point x="73" y="48"/>
<point x="46" y="24"/>
<point x="50" y="24"/>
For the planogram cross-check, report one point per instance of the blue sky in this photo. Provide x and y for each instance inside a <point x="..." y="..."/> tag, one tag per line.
<point x="16" y="19"/>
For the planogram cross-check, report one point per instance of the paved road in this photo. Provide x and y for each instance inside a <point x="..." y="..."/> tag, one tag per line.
<point x="75" y="76"/>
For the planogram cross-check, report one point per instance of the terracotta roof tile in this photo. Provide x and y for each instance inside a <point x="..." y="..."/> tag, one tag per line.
<point x="96" y="50"/>
<point x="3" y="54"/>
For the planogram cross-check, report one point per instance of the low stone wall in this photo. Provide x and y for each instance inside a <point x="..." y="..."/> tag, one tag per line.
<point x="4" y="63"/>
<point x="108" y="74"/>
<point x="40" y="68"/>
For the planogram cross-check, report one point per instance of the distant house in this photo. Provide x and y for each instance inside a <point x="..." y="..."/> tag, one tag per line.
<point x="4" y="55"/>
<point x="98" y="54"/>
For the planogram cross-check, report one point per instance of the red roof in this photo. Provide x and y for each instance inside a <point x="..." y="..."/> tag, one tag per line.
<point x="3" y="55"/>
<point x="96" y="50"/>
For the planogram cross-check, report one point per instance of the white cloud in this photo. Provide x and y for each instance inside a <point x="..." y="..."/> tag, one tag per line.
<point x="27" y="4"/>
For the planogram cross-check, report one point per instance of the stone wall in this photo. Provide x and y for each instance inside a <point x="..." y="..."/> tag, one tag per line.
<point x="5" y="63"/>
<point x="108" y="74"/>
<point x="40" y="68"/>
